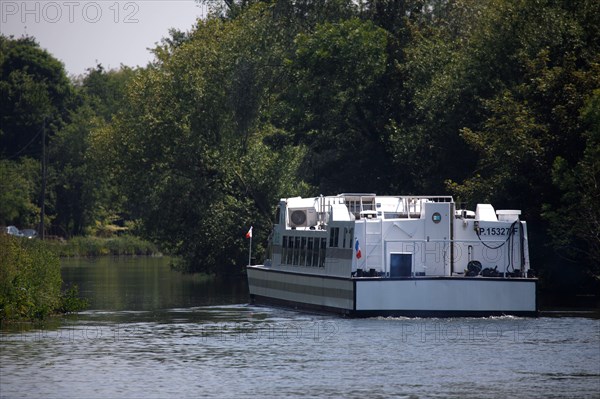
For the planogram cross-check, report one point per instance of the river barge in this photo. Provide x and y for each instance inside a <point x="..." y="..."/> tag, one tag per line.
<point x="363" y="255"/>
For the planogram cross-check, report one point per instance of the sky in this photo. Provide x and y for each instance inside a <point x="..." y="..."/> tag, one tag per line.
<point x="82" y="34"/>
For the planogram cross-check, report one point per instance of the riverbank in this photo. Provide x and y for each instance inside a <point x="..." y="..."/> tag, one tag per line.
<point x="31" y="286"/>
<point x="95" y="246"/>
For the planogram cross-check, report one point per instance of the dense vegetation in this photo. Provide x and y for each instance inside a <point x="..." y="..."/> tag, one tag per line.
<point x="92" y="246"/>
<point x="30" y="281"/>
<point x="491" y="101"/>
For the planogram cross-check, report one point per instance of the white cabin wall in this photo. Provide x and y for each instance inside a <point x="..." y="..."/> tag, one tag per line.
<point x="405" y="236"/>
<point x="467" y="246"/>
<point x="438" y="217"/>
<point x="427" y="242"/>
<point x="359" y="235"/>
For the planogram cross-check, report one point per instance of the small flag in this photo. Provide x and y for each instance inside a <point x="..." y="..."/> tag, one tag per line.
<point x="249" y="233"/>
<point x="357" y="248"/>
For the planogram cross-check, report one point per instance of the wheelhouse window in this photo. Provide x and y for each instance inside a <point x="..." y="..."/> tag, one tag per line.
<point x="334" y="237"/>
<point x="302" y="258"/>
<point x="309" y="251"/>
<point x="303" y="251"/>
<point x="284" y="250"/>
<point x="290" y="252"/>
<point x="296" y="250"/>
<point x="315" y="253"/>
<point x="322" y="252"/>
<point x="347" y="239"/>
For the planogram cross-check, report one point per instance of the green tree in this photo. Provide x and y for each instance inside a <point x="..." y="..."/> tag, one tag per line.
<point x="35" y="99"/>
<point x="525" y="70"/>
<point x="34" y="91"/>
<point x="103" y="90"/>
<point x="77" y="185"/>
<point x="19" y="191"/>
<point x="333" y="106"/>
<point x="191" y="123"/>
<point x="575" y="220"/>
<point x="83" y="189"/>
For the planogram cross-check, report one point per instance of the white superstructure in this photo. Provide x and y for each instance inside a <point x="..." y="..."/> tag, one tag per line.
<point x="363" y="254"/>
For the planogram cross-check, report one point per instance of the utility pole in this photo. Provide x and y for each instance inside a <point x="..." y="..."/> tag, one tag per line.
<point x="43" y="194"/>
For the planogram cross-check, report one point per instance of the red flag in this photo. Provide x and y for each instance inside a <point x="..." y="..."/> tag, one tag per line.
<point x="249" y="233"/>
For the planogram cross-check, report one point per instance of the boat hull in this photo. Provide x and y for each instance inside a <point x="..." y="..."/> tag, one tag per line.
<point x="413" y="297"/>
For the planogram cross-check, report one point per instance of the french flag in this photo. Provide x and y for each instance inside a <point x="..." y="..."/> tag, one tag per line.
<point x="249" y="233"/>
<point x="357" y="249"/>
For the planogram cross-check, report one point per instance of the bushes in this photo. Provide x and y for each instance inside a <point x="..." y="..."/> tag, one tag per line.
<point x="30" y="279"/>
<point x="95" y="246"/>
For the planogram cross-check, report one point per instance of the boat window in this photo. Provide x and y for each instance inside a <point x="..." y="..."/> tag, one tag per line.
<point x="290" y="253"/>
<point x="334" y="237"/>
<point x="302" y="259"/>
<point x="315" y="253"/>
<point x="350" y="236"/>
<point x="309" y="252"/>
<point x="322" y="252"/>
<point x="296" y="250"/>
<point x="284" y="250"/>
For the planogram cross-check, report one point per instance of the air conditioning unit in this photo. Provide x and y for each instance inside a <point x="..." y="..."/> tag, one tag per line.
<point x="304" y="217"/>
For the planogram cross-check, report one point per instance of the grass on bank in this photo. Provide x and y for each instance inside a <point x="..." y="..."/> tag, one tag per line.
<point x="96" y="246"/>
<point x="30" y="281"/>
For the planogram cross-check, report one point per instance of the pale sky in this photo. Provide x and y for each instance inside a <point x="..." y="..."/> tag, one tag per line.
<point x="84" y="33"/>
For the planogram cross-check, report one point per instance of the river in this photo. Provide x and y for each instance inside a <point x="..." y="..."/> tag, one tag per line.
<point x="154" y="333"/>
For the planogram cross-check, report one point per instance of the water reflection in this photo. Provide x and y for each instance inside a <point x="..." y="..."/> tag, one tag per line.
<point x="146" y="283"/>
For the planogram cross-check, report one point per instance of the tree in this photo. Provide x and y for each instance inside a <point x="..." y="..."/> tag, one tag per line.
<point x="104" y="90"/>
<point x="333" y="106"/>
<point x="18" y="196"/>
<point x="189" y="145"/>
<point x="77" y="185"/>
<point x="575" y="220"/>
<point x="35" y="98"/>
<point x="83" y="189"/>
<point x="527" y="69"/>
<point x="34" y="91"/>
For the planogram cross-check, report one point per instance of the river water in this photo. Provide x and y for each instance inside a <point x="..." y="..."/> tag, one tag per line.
<point x="154" y="333"/>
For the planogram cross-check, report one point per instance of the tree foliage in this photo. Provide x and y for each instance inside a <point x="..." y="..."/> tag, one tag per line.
<point x="579" y="184"/>
<point x="19" y="191"/>
<point x="189" y="143"/>
<point x="333" y="107"/>
<point x="30" y="281"/>
<point x="492" y="100"/>
<point x="34" y="91"/>
<point x="477" y="98"/>
<point x="39" y="101"/>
